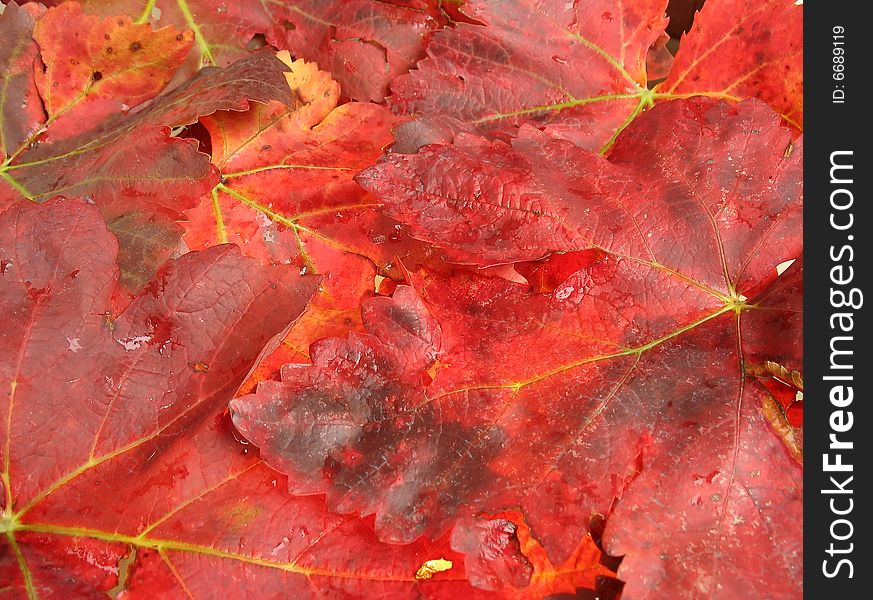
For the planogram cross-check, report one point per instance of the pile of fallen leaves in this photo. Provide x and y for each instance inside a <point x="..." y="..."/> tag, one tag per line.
<point x="480" y="299"/>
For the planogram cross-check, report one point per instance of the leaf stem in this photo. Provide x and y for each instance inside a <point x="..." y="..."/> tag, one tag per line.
<point x="219" y="219"/>
<point x="22" y="564"/>
<point x="14" y="184"/>
<point x="646" y="101"/>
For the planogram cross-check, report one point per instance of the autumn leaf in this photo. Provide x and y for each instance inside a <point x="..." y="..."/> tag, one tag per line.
<point x="117" y="386"/>
<point x="90" y="90"/>
<point x="765" y="43"/>
<point x="58" y="161"/>
<point x="120" y="470"/>
<point x="311" y="146"/>
<point x="468" y="394"/>
<point x="725" y="168"/>
<point x="83" y="82"/>
<point x="222" y="32"/>
<point x="578" y="70"/>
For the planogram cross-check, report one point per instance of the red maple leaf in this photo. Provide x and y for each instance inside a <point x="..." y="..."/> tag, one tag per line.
<point x="575" y="69"/>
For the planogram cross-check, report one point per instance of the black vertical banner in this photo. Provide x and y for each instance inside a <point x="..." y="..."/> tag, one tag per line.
<point x="838" y="426"/>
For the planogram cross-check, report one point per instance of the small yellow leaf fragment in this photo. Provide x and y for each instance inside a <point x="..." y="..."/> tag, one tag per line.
<point x="429" y="568"/>
<point x="200" y="367"/>
<point x="285" y="57"/>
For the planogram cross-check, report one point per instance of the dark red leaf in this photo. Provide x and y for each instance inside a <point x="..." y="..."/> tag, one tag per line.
<point x="22" y="112"/>
<point x="717" y="172"/>
<point x="575" y="69"/>
<point x="115" y="381"/>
